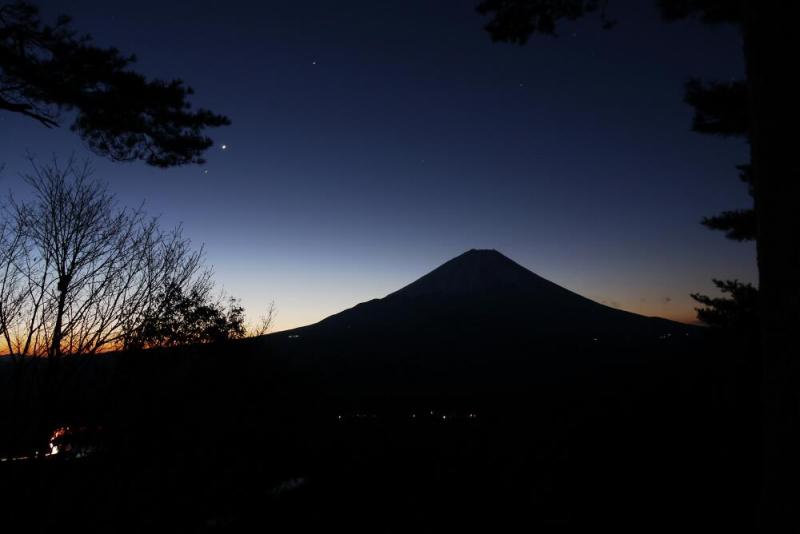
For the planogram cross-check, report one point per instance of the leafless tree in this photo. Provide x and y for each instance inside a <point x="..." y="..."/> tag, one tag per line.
<point x="265" y="322"/>
<point x="79" y="274"/>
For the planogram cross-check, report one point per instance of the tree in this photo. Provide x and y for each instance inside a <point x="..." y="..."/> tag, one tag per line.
<point x="80" y="275"/>
<point x="265" y="322"/>
<point x="189" y="318"/>
<point x="48" y="69"/>
<point x="736" y="313"/>
<point x="773" y="112"/>
<point x="721" y="109"/>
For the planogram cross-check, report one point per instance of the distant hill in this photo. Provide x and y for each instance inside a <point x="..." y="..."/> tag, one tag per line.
<point x="479" y="315"/>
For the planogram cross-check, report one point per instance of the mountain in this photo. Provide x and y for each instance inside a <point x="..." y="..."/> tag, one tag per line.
<point x="485" y="290"/>
<point x="478" y="317"/>
<point x="476" y="272"/>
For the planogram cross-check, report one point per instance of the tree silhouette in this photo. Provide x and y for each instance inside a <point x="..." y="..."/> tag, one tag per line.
<point x="188" y="318"/>
<point x="79" y="275"/>
<point x="721" y="109"/>
<point x="770" y="37"/>
<point x="737" y="313"/>
<point x="265" y="322"/>
<point x="46" y="70"/>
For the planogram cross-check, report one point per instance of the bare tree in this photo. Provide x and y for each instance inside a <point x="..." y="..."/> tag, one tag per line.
<point x="79" y="274"/>
<point x="265" y="322"/>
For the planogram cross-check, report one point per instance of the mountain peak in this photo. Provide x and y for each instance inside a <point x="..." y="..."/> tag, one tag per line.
<point x="474" y="271"/>
<point x="481" y="251"/>
<point x="484" y="290"/>
<point x="482" y="254"/>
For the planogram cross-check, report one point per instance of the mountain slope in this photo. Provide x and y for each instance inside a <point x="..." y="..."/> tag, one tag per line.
<point x="479" y="322"/>
<point x="485" y="290"/>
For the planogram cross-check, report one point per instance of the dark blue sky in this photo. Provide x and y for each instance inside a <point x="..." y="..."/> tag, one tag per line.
<point x="371" y="141"/>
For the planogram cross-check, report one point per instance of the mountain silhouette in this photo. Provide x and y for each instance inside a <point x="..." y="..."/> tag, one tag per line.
<point x="473" y="273"/>
<point x="483" y="290"/>
<point x="479" y="321"/>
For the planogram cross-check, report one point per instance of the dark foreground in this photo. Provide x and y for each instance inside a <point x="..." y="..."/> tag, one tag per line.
<point x="207" y="441"/>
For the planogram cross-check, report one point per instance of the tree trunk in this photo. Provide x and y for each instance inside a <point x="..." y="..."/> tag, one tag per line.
<point x="771" y="44"/>
<point x="55" y="348"/>
<point x="52" y="378"/>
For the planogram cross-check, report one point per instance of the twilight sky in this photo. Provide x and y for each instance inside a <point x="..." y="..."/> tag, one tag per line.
<point x="372" y="141"/>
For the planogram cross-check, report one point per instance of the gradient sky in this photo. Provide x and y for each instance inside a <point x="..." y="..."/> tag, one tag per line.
<point x="372" y="141"/>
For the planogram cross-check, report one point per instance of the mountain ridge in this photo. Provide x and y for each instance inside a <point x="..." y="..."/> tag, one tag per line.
<point x="485" y="285"/>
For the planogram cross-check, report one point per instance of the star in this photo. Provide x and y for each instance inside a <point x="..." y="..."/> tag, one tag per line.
<point x="224" y="147"/>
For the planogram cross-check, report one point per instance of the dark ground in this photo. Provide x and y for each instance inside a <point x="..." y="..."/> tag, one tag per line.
<point x="232" y="439"/>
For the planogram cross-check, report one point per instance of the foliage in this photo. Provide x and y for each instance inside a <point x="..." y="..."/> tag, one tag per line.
<point x="48" y="69"/>
<point x="720" y="108"/>
<point x="708" y="11"/>
<point x="736" y="313"/>
<point x="515" y="20"/>
<point x="738" y="225"/>
<point x="189" y="318"/>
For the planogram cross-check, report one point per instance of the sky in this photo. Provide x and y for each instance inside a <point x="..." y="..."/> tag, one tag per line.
<point x="373" y="141"/>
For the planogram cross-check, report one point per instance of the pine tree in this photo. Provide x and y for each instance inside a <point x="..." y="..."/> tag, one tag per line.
<point x="721" y="109"/>
<point x="46" y="70"/>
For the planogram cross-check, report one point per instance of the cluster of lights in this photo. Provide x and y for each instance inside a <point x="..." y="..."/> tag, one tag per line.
<point x="57" y="434"/>
<point x="430" y="415"/>
<point x="53" y="447"/>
